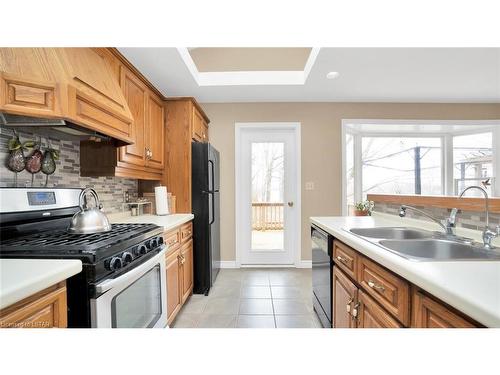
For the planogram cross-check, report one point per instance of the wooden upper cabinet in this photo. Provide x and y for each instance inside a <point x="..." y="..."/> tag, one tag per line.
<point x="155" y="133"/>
<point x="136" y="95"/>
<point x="76" y="84"/>
<point x="345" y="296"/>
<point x="429" y="313"/>
<point x="29" y="82"/>
<point x="185" y="122"/>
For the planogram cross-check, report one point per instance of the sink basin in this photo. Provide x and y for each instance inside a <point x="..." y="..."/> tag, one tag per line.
<point x="396" y="233"/>
<point x="435" y="249"/>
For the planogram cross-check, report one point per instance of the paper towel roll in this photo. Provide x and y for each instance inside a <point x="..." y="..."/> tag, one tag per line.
<point x="161" y="200"/>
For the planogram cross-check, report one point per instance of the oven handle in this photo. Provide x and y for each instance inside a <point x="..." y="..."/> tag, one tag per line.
<point x="139" y="270"/>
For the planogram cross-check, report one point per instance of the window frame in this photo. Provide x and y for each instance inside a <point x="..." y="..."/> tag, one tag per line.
<point x="447" y="179"/>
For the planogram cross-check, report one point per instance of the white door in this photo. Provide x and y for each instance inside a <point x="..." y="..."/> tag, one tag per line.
<point x="267" y="185"/>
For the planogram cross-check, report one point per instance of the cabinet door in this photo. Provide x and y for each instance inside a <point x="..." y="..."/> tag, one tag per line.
<point x="372" y="315"/>
<point x="187" y="270"/>
<point x="429" y="313"/>
<point x="345" y="296"/>
<point x="136" y="96"/>
<point x="155" y="132"/>
<point x="28" y="81"/>
<point x="197" y="125"/>
<point x="173" y="285"/>
<point x="46" y="309"/>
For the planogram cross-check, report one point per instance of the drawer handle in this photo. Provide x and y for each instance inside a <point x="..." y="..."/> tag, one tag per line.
<point x="343" y="260"/>
<point x="372" y="285"/>
<point x="171" y="242"/>
<point x="348" y="305"/>
<point x="183" y="259"/>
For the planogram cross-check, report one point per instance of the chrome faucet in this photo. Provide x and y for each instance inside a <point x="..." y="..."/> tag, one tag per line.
<point x="449" y="228"/>
<point x="488" y="234"/>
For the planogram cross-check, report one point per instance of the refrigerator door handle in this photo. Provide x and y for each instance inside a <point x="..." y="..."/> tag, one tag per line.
<point x="212" y="220"/>
<point x="212" y="170"/>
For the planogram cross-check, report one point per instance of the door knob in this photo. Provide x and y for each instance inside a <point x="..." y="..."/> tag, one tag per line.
<point x="290" y="204"/>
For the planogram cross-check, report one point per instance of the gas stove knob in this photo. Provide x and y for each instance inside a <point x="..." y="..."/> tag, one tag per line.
<point x="127" y="258"/>
<point x="160" y="241"/>
<point x="154" y="243"/>
<point x="115" y="263"/>
<point x="141" y="250"/>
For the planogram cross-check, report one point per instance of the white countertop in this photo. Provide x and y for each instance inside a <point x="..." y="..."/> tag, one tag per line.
<point x="167" y="221"/>
<point x="472" y="287"/>
<point x="21" y="278"/>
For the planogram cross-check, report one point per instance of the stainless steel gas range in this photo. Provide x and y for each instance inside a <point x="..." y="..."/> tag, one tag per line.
<point x="122" y="283"/>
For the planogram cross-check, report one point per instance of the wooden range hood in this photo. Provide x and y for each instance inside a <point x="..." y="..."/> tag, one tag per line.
<point x="72" y="84"/>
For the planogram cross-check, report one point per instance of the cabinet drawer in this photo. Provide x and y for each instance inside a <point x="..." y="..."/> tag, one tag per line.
<point x="372" y="315"/>
<point x="391" y="291"/>
<point x="172" y="239"/>
<point x="429" y="313"/>
<point x="346" y="258"/>
<point x="186" y="232"/>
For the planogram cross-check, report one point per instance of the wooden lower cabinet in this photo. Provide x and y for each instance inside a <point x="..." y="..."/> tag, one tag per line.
<point x="345" y="298"/>
<point x="372" y="315"/>
<point x="186" y="253"/>
<point x="375" y="297"/>
<point x="429" y="313"/>
<point x="45" y="309"/>
<point x="179" y="268"/>
<point x="173" y="285"/>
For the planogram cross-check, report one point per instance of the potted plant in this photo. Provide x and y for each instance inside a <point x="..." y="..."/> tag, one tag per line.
<point x="363" y="208"/>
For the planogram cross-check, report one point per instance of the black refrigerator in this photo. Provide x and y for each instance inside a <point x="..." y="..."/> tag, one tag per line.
<point x="206" y="210"/>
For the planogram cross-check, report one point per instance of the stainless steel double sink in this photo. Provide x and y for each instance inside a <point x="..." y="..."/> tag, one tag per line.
<point x="421" y="245"/>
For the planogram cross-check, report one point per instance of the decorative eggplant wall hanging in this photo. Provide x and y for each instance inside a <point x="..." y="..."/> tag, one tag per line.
<point x="34" y="160"/>
<point x="49" y="161"/>
<point x="15" y="160"/>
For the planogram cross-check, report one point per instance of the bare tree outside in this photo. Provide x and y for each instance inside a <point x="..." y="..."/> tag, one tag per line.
<point x="267" y="195"/>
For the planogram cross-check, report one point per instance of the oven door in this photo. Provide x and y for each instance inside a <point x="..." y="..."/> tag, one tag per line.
<point x="136" y="299"/>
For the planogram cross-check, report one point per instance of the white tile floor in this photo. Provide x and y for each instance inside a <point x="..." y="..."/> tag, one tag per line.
<point x="253" y="298"/>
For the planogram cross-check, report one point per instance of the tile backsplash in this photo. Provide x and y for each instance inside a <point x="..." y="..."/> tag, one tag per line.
<point x="467" y="219"/>
<point x="110" y="189"/>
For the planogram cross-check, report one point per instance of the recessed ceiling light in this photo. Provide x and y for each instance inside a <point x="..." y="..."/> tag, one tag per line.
<point x="332" y="75"/>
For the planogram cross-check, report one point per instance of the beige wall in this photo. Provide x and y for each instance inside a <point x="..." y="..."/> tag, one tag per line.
<point x="321" y="147"/>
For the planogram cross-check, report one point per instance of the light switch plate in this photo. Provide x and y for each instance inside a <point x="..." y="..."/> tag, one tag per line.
<point x="309" y="185"/>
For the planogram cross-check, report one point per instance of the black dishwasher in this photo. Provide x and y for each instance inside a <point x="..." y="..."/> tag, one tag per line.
<point x="322" y="273"/>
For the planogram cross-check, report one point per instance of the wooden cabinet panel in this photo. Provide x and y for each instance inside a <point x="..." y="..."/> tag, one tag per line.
<point x="429" y="313"/>
<point x="372" y="315"/>
<point x="173" y="285"/>
<point x="46" y="309"/>
<point x="28" y="82"/>
<point x="345" y="295"/>
<point x="136" y="95"/>
<point x="172" y="239"/>
<point x="197" y="125"/>
<point x="346" y="258"/>
<point x="187" y="269"/>
<point x="155" y="133"/>
<point x="391" y="291"/>
<point x="186" y="231"/>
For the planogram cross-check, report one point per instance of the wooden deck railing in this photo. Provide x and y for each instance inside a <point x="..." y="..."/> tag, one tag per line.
<point x="267" y="216"/>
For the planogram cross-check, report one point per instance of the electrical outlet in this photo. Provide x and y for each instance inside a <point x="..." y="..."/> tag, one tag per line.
<point x="309" y="185"/>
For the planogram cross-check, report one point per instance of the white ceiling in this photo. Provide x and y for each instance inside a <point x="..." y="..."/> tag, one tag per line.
<point x="366" y="75"/>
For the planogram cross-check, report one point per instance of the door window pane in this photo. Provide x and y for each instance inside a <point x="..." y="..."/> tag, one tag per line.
<point x="472" y="162"/>
<point x="268" y="182"/>
<point x="139" y="306"/>
<point x="401" y="165"/>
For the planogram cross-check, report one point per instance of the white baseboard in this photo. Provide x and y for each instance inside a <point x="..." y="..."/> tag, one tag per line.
<point x="233" y="264"/>
<point x="304" y="264"/>
<point x="227" y="264"/>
